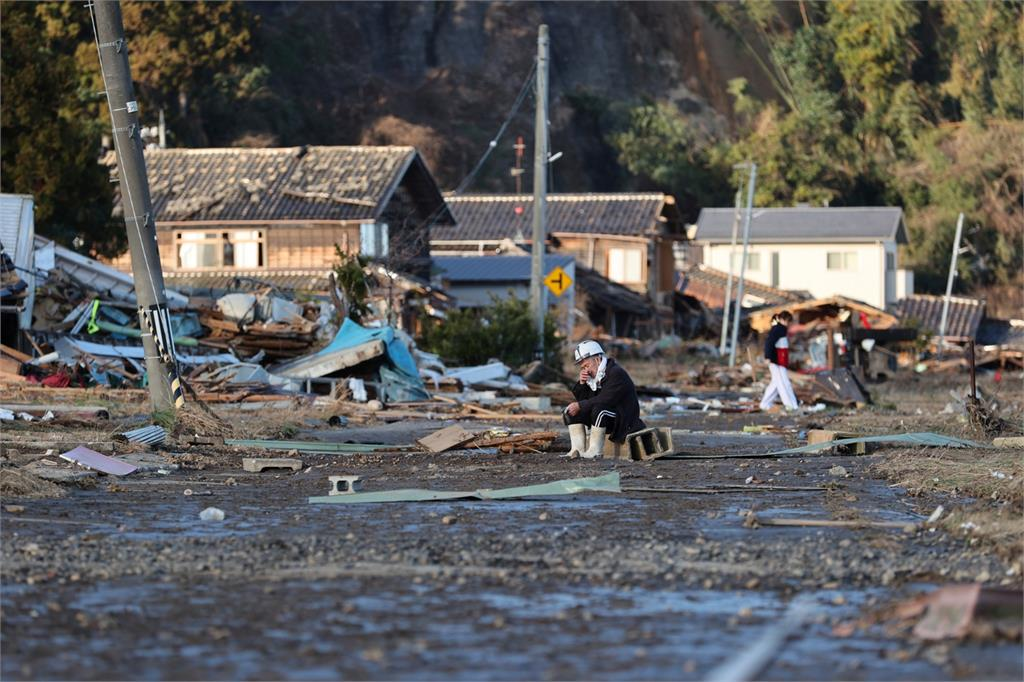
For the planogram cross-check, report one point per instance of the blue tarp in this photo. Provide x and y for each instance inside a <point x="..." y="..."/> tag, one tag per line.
<point x="400" y="378"/>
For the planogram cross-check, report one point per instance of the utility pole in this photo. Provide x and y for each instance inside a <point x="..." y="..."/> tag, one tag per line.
<point x="154" y="319"/>
<point x="949" y="282"/>
<point x="540" y="174"/>
<point x="743" y="264"/>
<point x="728" y="282"/>
<point x="517" y="170"/>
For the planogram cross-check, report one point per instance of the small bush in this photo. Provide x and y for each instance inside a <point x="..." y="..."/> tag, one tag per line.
<point x="504" y="330"/>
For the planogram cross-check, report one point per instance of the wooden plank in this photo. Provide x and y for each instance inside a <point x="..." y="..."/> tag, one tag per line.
<point x="16" y="354"/>
<point x="446" y="438"/>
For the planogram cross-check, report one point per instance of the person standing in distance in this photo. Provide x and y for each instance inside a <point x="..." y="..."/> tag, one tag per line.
<point x="776" y="352"/>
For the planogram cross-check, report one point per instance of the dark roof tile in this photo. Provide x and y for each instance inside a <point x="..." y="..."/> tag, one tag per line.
<point x="288" y="183"/>
<point x="493" y="217"/>
<point x="964" y="317"/>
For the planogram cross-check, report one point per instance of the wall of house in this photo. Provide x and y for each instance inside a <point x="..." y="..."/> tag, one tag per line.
<point x="595" y="252"/>
<point x="286" y="245"/>
<point x="805" y="267"/>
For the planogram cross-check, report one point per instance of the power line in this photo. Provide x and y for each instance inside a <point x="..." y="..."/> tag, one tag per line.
<point x="493" y="144"/>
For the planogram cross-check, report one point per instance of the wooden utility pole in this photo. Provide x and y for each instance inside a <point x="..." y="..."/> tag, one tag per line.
<point x="743" y="264"/>
<point x="540" y="175"/>
<point x="154" y="319"/>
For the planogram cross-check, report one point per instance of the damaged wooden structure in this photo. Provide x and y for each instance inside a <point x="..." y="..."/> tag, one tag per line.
<point x="245" y="212"/>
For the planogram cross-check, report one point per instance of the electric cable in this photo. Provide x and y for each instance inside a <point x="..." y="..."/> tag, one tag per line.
<point x="493" y="144"/>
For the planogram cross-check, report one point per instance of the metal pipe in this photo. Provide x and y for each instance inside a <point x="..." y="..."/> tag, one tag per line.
<point x="728" y="282"/>
<point x="949" y="283"/>
<point x="743" y="264"/>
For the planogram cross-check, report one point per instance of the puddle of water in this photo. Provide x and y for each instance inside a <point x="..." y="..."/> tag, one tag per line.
<point x="391" y="628"/>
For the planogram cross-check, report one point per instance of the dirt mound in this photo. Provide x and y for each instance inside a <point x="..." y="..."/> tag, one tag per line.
<point x="20" y="483"/>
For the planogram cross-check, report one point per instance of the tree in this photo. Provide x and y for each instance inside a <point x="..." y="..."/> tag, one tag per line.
<point x="659" y="142"/>
<point x="50" y="147"/>
<point x="191" y="58"/>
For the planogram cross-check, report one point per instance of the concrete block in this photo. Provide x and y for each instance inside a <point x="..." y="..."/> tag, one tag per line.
<point x="257" y="464"/>
<point x="345" y="485"/>
<point x="641" y="445"/>
<point x="1009" y="442"/>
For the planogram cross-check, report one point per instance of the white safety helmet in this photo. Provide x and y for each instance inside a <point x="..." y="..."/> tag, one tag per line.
<point x="587" y="349"/>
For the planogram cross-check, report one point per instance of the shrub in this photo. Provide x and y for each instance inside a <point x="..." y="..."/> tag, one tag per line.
<point x="504" y="330"/>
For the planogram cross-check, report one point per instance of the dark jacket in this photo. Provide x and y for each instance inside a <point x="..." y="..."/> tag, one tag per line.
<point x="774" y="334"/>
<point x="616" y="393"/>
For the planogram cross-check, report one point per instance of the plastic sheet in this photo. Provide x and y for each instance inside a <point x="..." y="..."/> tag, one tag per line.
<point x="608" y="483"/>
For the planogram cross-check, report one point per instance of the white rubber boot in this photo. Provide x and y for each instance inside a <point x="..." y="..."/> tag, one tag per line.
<point x="596" y="448"/>
<point x="578" y="440"/>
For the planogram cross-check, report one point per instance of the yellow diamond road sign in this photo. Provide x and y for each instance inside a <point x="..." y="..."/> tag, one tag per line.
<point x="558" y="281"/>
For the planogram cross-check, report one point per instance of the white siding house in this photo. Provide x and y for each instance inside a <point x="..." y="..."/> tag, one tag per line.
<point x="848" y="252"/>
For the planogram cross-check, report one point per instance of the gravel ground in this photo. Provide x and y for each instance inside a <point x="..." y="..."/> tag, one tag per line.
<point x="123" y="581"/>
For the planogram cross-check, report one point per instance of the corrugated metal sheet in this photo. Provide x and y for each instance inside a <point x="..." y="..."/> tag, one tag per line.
<point x="493" y="268"/>
<point x="290" y="183"/>
<point x="965" y="314"/>
<point x="499" y="216"/>
<point x="810" y="224"/>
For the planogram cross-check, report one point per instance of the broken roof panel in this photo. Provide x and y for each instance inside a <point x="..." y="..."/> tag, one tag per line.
<point x="708" y="286"/>
<point x="806" y="224"/>
<point x="287" y="183"/>
<point x="806" y="311"/>
<point x="493" y="217"/>
<point x="965" y="314"/>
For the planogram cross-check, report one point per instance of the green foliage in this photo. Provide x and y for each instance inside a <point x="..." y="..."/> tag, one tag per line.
<point x="863" y="120"/>
<point x="505" y="331"/>
<point x="350" y="275"/>
<point x="50" y="146"/>
<point x="662" y="144"/>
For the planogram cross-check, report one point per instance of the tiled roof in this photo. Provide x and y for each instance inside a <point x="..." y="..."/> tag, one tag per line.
<point x="708" y="286"/>
<point x="493" y="268"/>
<point x="965" y="314"/>
<point x="288" y="183"/>
<point x="309" y="279"/>
<point x="805" y="224"/>
<point x="493" y="217"/>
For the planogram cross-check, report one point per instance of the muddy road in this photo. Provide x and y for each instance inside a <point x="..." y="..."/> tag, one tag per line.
<point x="124" y="581"/>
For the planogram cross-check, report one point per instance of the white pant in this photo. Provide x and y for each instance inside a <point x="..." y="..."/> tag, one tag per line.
<point x="779" y="387"/>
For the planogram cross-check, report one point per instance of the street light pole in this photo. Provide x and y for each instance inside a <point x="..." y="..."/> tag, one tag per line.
<point x="154" y="319"/>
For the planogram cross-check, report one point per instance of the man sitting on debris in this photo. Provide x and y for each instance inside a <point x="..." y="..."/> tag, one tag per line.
<point x="605" y="401"/>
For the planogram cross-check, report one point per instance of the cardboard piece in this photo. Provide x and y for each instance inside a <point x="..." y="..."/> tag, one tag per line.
<point x="446" y="439"/>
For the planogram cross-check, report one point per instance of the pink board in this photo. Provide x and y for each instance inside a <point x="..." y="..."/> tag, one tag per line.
<point x="91" y="459"/>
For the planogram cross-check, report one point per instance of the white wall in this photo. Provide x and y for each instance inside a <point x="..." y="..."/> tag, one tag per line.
<point x="805" y="266"/>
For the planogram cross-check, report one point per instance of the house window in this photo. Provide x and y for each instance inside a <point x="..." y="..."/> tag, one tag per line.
<point x="626" y="266"/>
<point x="234" y="249"/>
<point x="841" y="260"/>
<point x="890" y="261"/>
<point x="753" y="261"/>
<point x="373" y="240"/>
